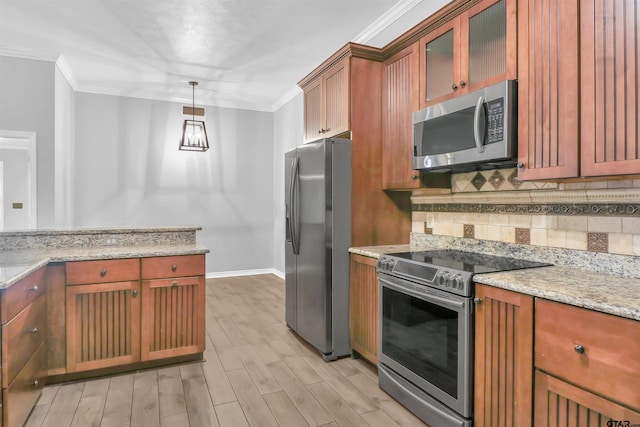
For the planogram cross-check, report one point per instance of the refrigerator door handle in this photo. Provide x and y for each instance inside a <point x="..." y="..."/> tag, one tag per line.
<point x="294" y="219"/>
<point x="289" y="206"/>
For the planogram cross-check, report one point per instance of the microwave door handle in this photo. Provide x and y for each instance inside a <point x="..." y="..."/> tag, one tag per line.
<point x="478" y="135"/>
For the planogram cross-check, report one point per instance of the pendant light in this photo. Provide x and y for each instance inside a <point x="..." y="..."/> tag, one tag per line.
<point x="194" y="132"/>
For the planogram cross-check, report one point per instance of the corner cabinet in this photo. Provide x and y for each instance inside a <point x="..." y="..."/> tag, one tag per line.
<point x="326" y="103"/>
<point x="173" y="311"/>
<point x="503" y="358"/>
<point x="475" y="49"/>
<point x="578" y="89"/>
<point x="363" y="307"/>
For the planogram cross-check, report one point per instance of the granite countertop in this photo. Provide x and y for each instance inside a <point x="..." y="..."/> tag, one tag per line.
<point x="376" y="251"/>
<point x="15" y="265"/>
<point x="615" y="295"/>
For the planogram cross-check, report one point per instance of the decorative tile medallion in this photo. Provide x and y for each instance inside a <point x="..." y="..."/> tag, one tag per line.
<point x="513" y="179"/>
<point x="523" y="236"/>
<point x="478" y="181"/>
<point x="598" y="242"/>
<point x="469" y="231"/>
<point x="496" y="179"/>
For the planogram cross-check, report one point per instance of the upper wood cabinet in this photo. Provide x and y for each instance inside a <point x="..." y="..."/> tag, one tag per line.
<point x="400" y="98"/>
<point x="475" y="49"/>
<point x="548" y="89"/>
<point x="577" y="88"/>
<point x="609" y="87"/>
<point x="326" y="103"/>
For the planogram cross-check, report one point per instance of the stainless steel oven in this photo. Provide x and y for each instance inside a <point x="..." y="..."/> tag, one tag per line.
<point x="426" y="330"/>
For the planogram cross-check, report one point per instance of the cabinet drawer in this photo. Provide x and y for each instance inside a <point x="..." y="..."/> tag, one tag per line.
<point x="172" y="266"/>
<point x="103" y="271"/>
<point x="21" y="294"/>
<point x="23" y="393"/>
<point x="593" y="350"/>
<point x="21" y="337"/>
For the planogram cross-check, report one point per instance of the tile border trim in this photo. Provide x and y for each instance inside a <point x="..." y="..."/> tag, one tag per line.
<point x="569" y="209"/>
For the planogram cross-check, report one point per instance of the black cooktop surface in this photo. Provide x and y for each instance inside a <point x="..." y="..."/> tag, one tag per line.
<point x="472" y="262"/>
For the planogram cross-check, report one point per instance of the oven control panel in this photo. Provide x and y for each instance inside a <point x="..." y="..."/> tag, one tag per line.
<point x="450" y="280"/>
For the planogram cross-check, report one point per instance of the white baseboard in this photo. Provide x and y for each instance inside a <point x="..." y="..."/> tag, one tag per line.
<point x="219" y="274"/>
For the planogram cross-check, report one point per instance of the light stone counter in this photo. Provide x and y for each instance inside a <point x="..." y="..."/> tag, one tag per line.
<point x="376" y="251"/>
<point x="615" y="295"/>
<point x="24" y="252"/>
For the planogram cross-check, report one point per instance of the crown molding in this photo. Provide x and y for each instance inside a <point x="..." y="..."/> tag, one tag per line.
<point x="295" y="91"/>
<point x="65" y="69"/>
<point x="385" y="20"/>
<point x="28" y="54"/>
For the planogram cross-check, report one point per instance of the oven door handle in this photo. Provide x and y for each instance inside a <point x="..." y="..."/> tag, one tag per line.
<point x="422" y="294"/>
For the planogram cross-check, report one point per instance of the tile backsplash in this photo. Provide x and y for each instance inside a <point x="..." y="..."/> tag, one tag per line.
<point x="597" y="216"/>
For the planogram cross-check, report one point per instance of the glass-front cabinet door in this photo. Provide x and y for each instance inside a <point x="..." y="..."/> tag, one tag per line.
<point x="473" y="50"/>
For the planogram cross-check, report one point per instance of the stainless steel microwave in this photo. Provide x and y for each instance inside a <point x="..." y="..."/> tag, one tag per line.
<point x="472" y="131"/>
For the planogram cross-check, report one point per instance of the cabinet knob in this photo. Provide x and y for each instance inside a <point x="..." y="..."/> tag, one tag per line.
<point x="414" y="176"/>
<point x="174" y="284"/>
<point x="579" y="349"/>
<point x="174" y="268"/>
<point x="477" y="300"/>
<point x="34" y="288"/>
<point x="520" y="165"/>
<point x="103" y="272"/>
<point x="36" y="383"/>
<point x="463" y="83"/>
<point x="454" y="87"/>
<point x="33" y="330"/>
<point x="134" y="293"/>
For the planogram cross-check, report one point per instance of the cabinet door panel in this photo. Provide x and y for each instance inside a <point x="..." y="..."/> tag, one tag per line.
<point x="363" y="314"/>
<point x="173" y="317"/>
<point x="313" y="111"/>
<point x="610" y="89"/>
<point x="440" y="63"/>
<point x="548" y="89"/>
<point x="560" y="404"/>
<point x="400" y="98"/>
<point x="103" y="325"/>
<point x="503" y="358"/>
<point x="336" y="89"/>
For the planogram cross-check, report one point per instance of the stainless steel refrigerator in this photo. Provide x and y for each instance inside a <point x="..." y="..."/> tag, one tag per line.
<point x="318" y="236"/>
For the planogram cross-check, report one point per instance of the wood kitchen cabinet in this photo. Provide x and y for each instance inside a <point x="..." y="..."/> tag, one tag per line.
<point x="326" y="103"/>
<point x="173" y="307"/>
<point x="586" y="354"/>
<point x="503" y="358"/>
<point x="577" y="88"/>
<point x="475" y="49"/>
<point x="609" y="87"/>
<point x="378" y="218"/>
<point x="102" y="314"/>
<point x="23" y="314"/>
<point x="363" y="307"/>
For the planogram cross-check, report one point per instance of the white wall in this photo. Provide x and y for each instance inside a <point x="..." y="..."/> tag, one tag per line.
<point x="27" y="104"/>
<point x="128" y="171"/>
<point x="288" y="133"/>
<point x="64" y="142"/>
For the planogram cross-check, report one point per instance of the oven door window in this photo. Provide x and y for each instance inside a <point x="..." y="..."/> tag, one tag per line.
<point x="423" y="337"/>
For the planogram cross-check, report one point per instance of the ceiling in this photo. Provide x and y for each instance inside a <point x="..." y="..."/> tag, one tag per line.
<point x="244" y="53"/>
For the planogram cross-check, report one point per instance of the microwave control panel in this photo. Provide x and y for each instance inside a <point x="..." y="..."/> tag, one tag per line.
<point x="495" y="120"/>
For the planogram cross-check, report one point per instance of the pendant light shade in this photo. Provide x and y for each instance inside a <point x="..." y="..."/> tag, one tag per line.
<point x="194" y="132"/>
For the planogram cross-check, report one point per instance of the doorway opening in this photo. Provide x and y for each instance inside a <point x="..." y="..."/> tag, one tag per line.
<point x="18" y="183"/>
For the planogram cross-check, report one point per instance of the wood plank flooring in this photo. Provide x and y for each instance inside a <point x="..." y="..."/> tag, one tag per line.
<point x="256" y="373"/>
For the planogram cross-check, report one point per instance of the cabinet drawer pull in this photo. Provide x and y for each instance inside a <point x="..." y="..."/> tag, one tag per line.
<point x="579" y="349"/>
<point x="454" y="87"/>
<point x="463" y="83"/>
<point x="174" y="268"/>
<point x="35" y="383"/>
<point x="103" y="272"/>
<point x="174" y="283"/>
<point x="33" y="330"/>
<point x="134" y="293"/>
<point x="414" y="176"/>
<point x="34" y="288"/>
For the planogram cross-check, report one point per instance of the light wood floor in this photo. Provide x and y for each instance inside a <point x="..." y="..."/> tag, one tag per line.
<point x="256" y="373"/>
